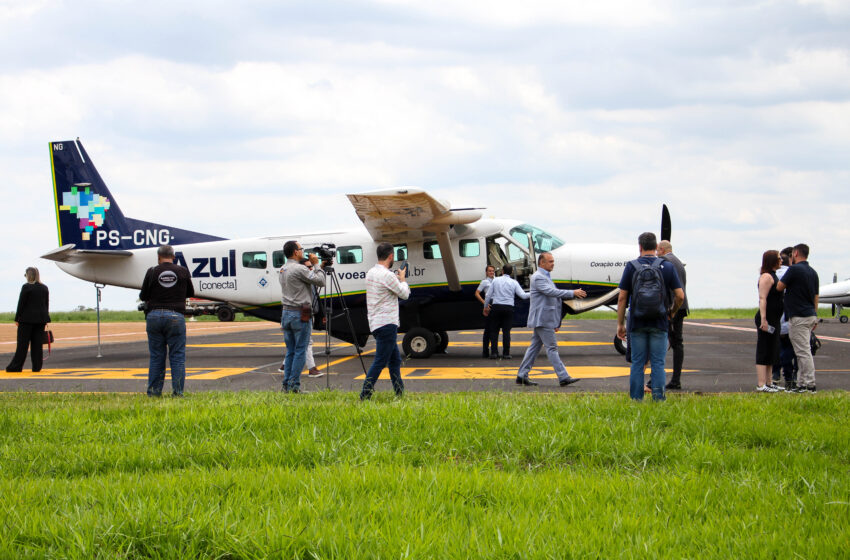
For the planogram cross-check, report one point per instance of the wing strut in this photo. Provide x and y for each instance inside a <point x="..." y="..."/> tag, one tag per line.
<point x="448" y="260"/>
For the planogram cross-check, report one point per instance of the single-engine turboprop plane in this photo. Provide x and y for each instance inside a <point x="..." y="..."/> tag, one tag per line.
<point x="447" y="251"/>
<point x="837" y="294"/>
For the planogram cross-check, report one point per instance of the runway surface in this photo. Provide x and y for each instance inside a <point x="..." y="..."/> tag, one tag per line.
<point x="719" y="357"/>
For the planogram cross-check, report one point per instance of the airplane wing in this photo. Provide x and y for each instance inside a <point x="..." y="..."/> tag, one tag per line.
<point x="402" y="214"/>
<point x="69" y="254"/>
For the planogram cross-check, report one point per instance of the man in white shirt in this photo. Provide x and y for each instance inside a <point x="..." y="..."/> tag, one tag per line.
<point x="480" y="294"/>
<point x="383" y="289"/>
<point x="499" y="306"/>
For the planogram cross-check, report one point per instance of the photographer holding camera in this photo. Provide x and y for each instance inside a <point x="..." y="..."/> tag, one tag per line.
<point x="296" y="318"/>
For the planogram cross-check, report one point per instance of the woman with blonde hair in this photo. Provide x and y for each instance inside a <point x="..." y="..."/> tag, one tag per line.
<point x="768" y="319"/>
<point x="31" y="318"/>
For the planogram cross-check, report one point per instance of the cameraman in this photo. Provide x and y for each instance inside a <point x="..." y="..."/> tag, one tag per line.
<point x="296" y="317"/>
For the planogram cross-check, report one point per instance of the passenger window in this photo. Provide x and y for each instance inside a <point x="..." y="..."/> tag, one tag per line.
<point x="254" y="259"/>
<point x="431" y="250"/>
<point x="469" y="248"/>
<point x="400" y="252"/>
<point x="349" y="255"/>
<point x="278" y="259"/>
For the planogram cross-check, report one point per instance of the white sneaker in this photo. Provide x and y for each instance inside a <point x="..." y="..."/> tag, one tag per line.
<point x="765" y="389"/>
<point x="281" y="370"/>
<point x="777" y="388"/>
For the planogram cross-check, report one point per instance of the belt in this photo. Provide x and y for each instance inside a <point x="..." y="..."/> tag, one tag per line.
<point x="292" y="307"/>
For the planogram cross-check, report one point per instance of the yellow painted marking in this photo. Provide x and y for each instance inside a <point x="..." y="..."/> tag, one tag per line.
<point x="447" y="373"/>
<point x="515" y="331"/>
<point x="259" y="345"/>
<point x="120" y="373"/>
<point x="528" y="343"/>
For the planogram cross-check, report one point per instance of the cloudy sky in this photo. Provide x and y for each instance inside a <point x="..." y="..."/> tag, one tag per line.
<point x="255" y="118"/>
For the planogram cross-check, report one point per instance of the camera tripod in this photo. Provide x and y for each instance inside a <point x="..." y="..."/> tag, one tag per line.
<point x="330" y="291"/>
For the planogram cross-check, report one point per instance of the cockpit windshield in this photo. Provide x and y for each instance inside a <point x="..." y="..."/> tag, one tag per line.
<point x="543" y="240"/>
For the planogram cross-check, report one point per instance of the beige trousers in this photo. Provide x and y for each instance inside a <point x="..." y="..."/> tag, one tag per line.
<point x="799" y="332"/>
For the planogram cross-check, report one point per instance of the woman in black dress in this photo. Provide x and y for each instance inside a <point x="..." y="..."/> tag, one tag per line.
<point x="768" y="322"/>
<point x="31" y="317"/>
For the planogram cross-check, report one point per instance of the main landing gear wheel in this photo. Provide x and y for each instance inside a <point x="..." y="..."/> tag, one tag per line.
<point x="442" y="342"/>
<point x="225" y="314"/>
<point x="843" y="319"/>
<point x="419" y="343"/>
<point x="619" y="345"/>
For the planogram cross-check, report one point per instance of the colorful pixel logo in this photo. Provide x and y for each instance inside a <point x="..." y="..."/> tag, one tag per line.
<point x="89" y="208"/>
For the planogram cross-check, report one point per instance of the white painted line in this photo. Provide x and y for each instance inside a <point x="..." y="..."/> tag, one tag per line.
<point x="752" y="329"/>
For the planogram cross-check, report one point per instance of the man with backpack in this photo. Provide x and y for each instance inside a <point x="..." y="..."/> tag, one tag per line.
<point x="645" y="286"/>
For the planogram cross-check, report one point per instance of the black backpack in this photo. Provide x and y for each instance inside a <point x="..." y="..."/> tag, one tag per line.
<point x="649" y="295"/>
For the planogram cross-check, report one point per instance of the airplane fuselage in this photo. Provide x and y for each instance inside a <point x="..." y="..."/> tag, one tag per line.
<point x="244" y="272"/>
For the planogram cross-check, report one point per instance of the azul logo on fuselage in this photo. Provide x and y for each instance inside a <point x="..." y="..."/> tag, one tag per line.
<point x="209" y="267"/>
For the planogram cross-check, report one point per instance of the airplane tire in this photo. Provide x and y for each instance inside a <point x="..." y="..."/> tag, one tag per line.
<point x="225" y="314"/>
<point x="843" y="319"/>
<point x="619" y="345"/>
<point x="442" y="342"/>
<point x="419" y="343"/>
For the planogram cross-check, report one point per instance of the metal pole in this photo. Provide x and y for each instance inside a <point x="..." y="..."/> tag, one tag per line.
<point x="98" y="287"/>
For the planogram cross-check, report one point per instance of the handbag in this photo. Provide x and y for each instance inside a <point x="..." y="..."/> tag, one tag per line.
<point x="47" y="338"/>
<point x="815" y="343"/>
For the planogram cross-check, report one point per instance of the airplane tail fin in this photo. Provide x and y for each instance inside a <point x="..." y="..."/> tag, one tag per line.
<point x="87" y="215"/>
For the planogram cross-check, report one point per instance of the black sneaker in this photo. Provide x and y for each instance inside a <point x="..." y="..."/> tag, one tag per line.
<point x="811" y="389"/>
<point x="673" y="386"/>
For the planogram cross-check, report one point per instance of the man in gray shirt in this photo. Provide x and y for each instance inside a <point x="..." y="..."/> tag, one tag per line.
<point x="296" y="318"/>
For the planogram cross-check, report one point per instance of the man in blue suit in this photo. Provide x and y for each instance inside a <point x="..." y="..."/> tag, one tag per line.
<point x="544" y="316"/>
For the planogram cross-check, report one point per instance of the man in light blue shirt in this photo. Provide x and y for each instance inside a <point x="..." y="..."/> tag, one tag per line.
<point x="499" y="306"/>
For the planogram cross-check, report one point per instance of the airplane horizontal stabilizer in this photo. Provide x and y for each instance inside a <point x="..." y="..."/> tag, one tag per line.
<point x="70" y="254"/>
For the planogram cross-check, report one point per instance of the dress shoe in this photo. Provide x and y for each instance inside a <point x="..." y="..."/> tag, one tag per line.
<point x="494" y="356"/>
<point x="526" y="381"/>
<point x="506" y="356"/>
<point x="485" y="354"/>
<point x="568" y="381"/>
<point x="673" y="386"/>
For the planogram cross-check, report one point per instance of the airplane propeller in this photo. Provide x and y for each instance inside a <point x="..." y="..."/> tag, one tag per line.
<point x="666" y="227"/>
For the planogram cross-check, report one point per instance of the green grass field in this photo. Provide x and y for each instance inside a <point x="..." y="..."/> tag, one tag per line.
<point x="484" y="475"/>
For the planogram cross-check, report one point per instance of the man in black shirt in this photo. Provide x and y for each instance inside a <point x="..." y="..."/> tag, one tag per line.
<point x="164" y="290"/>
<point x="801" y="286"/>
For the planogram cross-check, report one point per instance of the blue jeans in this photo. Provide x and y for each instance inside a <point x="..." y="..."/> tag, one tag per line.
<point x="386" y="354"/>
<point x="296" y="336"/>
<point x="166" y="335"/>
<point x="647" y="343"/>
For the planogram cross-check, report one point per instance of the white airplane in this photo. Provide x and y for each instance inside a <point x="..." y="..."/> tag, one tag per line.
<point x="837" y="294"/>
<point x="447" y="251"/>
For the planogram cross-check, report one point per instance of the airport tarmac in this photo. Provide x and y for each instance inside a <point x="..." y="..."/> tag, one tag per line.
<point x="245" y="357"/>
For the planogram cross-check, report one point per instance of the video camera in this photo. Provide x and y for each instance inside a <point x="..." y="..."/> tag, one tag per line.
<point x="326" y="252"/>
